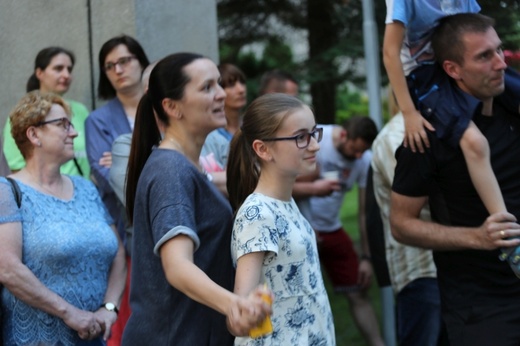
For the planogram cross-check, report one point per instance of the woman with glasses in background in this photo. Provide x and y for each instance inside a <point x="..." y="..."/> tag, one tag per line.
<point x="121" y="64"/>
<point x="61" y="261"/>
<point x="53" y="73"/>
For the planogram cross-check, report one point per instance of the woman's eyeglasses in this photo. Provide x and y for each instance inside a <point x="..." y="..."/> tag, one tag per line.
<point x="123" y="61"/>
<point x="63" y="122"/>
<point x="302" y="140"/>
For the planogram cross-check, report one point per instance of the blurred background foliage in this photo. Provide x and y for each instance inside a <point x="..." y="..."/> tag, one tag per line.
<point x="332" y="72"/>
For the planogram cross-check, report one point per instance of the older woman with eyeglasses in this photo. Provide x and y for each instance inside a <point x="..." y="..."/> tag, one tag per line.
<point x="62" y="264"/>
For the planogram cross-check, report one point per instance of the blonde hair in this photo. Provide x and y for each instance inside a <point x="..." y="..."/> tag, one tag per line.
<point x="30" y="111"/>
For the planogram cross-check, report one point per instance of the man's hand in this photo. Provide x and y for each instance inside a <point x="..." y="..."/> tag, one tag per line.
<point x="497" y="231"/>
<point x="325" y="187"/>
<point x="365" y="273"/>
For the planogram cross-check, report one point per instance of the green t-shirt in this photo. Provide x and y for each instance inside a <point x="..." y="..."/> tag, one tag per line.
<point x="16" y="161"/>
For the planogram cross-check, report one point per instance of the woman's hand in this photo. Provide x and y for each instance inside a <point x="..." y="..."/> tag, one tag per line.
<point x="106" y="159"/>
<point x="105" y="319"/>
<point x="248" y="312"/>
<point x="84" y="322"/>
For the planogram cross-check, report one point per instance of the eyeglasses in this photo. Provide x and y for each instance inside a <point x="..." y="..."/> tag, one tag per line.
<point x="123" y="61"/>
<point x="63" y="122"/>
<point x="302" y="140"/>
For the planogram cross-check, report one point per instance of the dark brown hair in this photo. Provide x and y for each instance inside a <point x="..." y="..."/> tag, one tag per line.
<point x="42" y="60"/>
<point x="361" y="127"/>
<point x="447" y="41"/>
<point x="230" y="74"/>
<point x="167" y="80"/>
<point x="105" y="89"/>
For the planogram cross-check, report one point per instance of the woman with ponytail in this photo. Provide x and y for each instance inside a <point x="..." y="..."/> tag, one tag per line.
<point x="272" y="243"/>
<point x="53" y="73"/>
<point x="182" y="275"/>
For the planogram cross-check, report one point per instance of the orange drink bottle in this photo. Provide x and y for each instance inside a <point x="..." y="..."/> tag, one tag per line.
<point x="266" y="326"/>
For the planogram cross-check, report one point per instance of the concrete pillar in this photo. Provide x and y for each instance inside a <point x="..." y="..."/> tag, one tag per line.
<point x="161" y="26"/>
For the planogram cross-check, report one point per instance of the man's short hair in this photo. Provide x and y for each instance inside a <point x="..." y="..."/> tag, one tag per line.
<point x="447" y="36"/>
<point x="361" y="127"/>
<point x="274" y="82"/>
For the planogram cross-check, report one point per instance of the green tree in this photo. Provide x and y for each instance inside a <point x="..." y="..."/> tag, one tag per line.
<point x="334" y="37"/>
<point x="334" y="32"/>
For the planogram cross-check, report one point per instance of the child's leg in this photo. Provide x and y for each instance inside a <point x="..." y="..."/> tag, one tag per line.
<point x="476" y="153"/>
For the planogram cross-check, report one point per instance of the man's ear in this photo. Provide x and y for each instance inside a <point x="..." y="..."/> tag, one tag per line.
<point x="343" y="135"/>
<point x="452" y="69"/>
<point x="262" y="150"/>
<point x="171" y="108"/>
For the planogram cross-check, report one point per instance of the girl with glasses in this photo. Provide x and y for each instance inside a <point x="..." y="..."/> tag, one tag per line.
<point x="272" y="243"/>
<point x="53" y="73"/>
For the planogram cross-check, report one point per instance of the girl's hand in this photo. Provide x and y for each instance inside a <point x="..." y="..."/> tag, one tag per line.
<point x="248" y="312"/>
<point x="415" y="136"/>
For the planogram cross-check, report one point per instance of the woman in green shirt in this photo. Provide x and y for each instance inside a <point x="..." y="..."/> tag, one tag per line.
<point x="53" y="73"/>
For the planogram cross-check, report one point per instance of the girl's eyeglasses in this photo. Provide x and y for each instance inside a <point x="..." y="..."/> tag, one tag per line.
<point x="302" y="140"/>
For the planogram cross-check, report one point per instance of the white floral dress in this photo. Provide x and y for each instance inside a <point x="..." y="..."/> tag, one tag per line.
<point x="291" y="269"/>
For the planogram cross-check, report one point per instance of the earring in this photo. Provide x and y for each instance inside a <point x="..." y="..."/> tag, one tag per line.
<point x="39" y="143"/>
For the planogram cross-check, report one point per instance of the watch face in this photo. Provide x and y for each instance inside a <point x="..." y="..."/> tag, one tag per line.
<point x="110" y="306"/>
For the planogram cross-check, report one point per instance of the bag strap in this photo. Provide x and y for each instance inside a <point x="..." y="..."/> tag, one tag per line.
<point x="16" y="191"/>
<point x="78" y="167"/>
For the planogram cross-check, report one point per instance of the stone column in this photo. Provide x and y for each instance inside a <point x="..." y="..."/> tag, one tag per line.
<point x="161" y="26"/>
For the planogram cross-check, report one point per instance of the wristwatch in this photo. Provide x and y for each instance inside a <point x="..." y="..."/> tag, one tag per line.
<point x="110" y="307"/>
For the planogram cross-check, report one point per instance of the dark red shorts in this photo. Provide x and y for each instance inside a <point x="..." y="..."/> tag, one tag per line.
<point x="339" y="259"/>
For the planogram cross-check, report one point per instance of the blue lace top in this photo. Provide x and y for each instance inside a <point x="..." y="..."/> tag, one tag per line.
<point x="69" y="246"/>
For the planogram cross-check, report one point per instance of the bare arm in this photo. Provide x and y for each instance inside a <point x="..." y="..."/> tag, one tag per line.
<point x="219" y="179"/>
<point x="248" y="274"/>
<point x="22" y="283"/>
<point x="311" y="185"/>
<point x="116" y="286"/>
<point x="365" y="265"/>
<point x="182" y="273"/>
<point x="409" y="229"/>
<point x="414" y="122"/>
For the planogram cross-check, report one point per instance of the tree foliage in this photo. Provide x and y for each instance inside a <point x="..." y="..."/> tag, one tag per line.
<point x="334" y="35"/>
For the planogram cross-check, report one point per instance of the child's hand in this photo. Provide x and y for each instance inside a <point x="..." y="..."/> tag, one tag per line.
<point x="415" y="135"/>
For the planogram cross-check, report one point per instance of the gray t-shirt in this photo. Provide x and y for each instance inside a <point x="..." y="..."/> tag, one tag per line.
<point x="174" y="198"/>
<point x="324" y="211"/>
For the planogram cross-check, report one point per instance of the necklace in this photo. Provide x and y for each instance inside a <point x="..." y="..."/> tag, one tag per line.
<point x="176" y="146"/>
<point x="36" y="181"/>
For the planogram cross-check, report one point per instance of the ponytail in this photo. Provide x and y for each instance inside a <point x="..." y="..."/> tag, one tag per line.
<point x="242" y="171"/>
<point x="33" y="83"/>
<point x="146" y="135"/>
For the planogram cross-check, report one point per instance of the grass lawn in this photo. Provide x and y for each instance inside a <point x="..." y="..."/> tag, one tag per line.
<point x="347" y="333"/>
